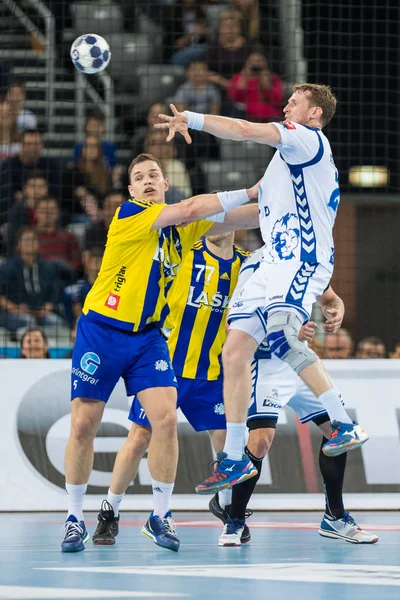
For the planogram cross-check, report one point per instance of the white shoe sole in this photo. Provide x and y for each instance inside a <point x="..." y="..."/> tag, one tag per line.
<point x="336" y="451"/>
<point x="331" y="534"/>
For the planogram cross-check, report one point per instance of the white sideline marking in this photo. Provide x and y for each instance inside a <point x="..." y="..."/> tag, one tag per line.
<point x="14" y="592"/>
<point x="310" y="572"/>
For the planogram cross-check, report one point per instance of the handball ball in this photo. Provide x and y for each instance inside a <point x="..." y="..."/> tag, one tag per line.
<point x="90" y="53"/>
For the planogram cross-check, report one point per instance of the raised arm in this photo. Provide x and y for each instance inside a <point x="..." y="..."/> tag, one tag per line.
<point x="221" y="127"/>
<point x="243" y="217"/>
<point x="202" y="206"/>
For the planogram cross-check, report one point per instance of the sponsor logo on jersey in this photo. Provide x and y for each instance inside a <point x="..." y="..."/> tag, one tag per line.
<point x="214" y="301"/>
<point x="112" y="301"/>
<point x="288" y="124"/>
<point x="275" y="298"/>
<point x="225" y="276"/>
<point x="120" y="279"/>
<point x="272" y="403"/>
<point x="90" y="362"/>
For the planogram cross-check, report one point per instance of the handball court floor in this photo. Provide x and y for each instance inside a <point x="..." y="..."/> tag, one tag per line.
<point x="286" y="558"/>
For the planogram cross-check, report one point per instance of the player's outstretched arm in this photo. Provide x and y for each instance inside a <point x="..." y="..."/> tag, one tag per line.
<point x="333" y="310"/>
<point x="203" y="206"/>
<point x="222" y="127"/>
<point x="243" y="217"/>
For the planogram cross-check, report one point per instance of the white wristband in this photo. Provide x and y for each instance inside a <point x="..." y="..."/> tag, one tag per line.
<point x="195" y="120"/>
<point x="230" y="200"/>
<point x="219" y="218"/>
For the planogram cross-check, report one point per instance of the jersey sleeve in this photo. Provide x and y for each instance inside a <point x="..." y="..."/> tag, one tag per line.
<point x="135" y="218"/>
<point x="192" y="232"/>
<point x="298" y="144"/>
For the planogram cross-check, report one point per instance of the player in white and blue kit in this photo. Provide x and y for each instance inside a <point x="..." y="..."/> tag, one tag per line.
<point x="275" y="385"/>
<point x="298" y="201"/>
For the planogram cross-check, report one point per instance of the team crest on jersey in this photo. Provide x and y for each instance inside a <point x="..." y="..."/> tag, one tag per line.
<point x="288" y="124"/>
<point x="219" y="408"/>
<point x="285" y="237"/>
<point x="112" y="301"/>
<point x="161" y="365"/>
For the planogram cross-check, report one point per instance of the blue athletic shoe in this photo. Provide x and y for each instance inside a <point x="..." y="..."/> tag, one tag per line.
<point x="227" y="473"/>
<point x="345" y="436"/>
<point x="75" y="535"/>
<point x="162" y="531"/>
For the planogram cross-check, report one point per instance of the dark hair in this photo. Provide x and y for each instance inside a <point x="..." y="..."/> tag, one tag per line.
<point x="143" y="158"/>
<point x="114" y="192"/>
<point x="30" y="132"/>
<point x="194" y="61"/>
<point x="31" y="330"/>
<point x="96" y="252"/>
<point x="96" y="113"/>
<point x="372" y="339"/>
<point x="17" y="82"/>
<point x="23" y="230"/>
<point x="47" y="199"/>
<point x="36" y="175"/>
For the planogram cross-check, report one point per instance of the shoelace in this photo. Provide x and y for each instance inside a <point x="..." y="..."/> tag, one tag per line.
<point x="105" y="517"/>
<point x="170" y="525"/>
<point x="232" y="527"/>
<point x="349" y="519"/>
<point x="71" y="529"/>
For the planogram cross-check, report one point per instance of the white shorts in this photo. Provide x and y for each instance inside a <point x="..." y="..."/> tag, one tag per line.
<point x="275" y="385"/>
<point x="291" y="285"/>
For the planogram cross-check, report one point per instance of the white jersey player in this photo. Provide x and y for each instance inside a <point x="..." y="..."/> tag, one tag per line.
<point x="298" y="202"/>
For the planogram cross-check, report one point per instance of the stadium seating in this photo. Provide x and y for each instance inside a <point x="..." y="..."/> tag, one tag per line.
<point x="158" y="83"/>
<point x="229" y="175"/>
<point x="94" y="16"/>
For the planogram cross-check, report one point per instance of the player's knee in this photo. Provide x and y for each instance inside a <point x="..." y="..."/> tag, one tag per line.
<point x="83" y="428"/>
<point x="233" y="357"/>
<point x="138" y="440"/>
<point x="260" y="441"/>
<point x="166" y="422"/>
<point x="283" y="339"/>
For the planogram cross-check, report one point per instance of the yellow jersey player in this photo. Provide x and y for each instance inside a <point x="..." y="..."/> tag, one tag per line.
<point x="119" y="333"/>
<point x="198" y="300"/>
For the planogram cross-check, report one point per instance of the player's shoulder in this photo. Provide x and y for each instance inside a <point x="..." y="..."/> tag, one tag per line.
<point x="241" y="253"/>
<point x="132" y="207"/>
<point x="198" y="246"/>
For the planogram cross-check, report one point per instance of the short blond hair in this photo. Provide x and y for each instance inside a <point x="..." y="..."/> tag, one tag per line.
<point x="319" y="95"/>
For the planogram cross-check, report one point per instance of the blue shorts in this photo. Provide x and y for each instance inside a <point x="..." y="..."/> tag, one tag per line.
<point x="103" y="354"/>
<point x="200" y="401"/>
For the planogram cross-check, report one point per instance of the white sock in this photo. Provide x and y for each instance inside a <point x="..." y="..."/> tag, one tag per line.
<point x="225" y="497"/>
<point x="331" y="400"/>
<point x="115" y="501"/>
<point x="75" y="499"/>
<point x="162" y="493"/>
<point x="234" y="443"/>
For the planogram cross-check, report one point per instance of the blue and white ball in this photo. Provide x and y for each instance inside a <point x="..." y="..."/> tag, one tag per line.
<point x="90" y="53"/>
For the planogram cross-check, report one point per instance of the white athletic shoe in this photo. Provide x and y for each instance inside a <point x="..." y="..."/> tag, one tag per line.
<point x="362" y="434"/>
<point x="232" y="532"/>
<point x="347" y="529"/>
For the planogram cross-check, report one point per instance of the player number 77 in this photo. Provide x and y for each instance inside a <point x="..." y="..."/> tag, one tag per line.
<point x="209" y="271"/>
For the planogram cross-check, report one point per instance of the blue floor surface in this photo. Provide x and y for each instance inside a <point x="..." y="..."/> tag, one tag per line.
<point x="285" y="559"/>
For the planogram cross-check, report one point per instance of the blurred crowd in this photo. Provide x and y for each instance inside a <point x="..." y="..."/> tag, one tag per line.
<point x="55" y="214"/>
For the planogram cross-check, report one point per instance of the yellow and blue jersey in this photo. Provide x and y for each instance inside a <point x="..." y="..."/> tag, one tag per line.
<point x="138" y="267"/>
<point x="199" y="301"/>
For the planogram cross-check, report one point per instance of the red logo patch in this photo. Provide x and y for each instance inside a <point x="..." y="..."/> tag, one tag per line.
<point x="288" y="124"/>
<point x="112" y="301"/>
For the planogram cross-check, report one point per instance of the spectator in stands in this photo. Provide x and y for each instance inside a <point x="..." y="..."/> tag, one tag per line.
<point x="175" y="170"/>
<point x="15" y="170"/>
<point x="371" y="347"/>
<point x="16" y="96"/>
<point x="396" y="351"/>
<point x="9" y="139"/>
<point x="89" y="176"/>
<point x="139" y="138"/>
<point x="28" y="287"/>
<point x="74" y="295"/>
<point x="96" y="126"/>
<point x="73" y="340"/>
<point x="228" y="54"/>
<point x="34" y="344"/>
<point x="339" y="344"/>
<point x="196" y="93"/>
<point x="22" y="212"/>
<point x="55" y="243"/>
<point x="187" y="34"/>
<point x="259" y="92"/>
<point x="96" y="233"/>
